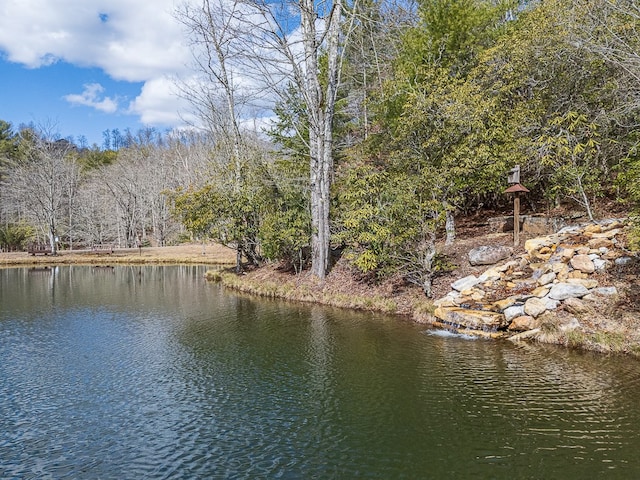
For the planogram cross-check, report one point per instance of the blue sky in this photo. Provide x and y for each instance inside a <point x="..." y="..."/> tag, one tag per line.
<point x="42" y="96"/>
<point x="79" y="67"/>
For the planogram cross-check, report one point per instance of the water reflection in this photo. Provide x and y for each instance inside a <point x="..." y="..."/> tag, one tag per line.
<point x="151" y="372"/>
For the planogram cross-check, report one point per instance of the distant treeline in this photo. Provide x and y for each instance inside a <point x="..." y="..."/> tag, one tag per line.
<point x="436" y="104"/>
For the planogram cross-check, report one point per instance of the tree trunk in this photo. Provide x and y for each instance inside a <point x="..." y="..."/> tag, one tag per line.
<point x="450" y="224"/>
<point x="321" y="108"/>
<point x="52" y="238"/>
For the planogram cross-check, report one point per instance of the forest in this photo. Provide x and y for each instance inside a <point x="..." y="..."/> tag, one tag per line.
<point x="391" y="121"/>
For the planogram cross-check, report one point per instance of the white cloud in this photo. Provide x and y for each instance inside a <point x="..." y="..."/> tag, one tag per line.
<point x="158" y="103"/>
<point x="92" y="96"/>
<point x="130" y="40"/>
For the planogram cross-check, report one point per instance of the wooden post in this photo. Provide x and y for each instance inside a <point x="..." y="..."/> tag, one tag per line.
<point x="516" y="189"/>
<point x="516" y="219"/>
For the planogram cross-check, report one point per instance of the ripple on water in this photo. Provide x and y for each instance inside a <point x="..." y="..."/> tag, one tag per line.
<point x="224" y="387"/>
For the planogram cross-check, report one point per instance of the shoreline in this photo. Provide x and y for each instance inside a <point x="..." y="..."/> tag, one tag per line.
<point x="340" y="289"/>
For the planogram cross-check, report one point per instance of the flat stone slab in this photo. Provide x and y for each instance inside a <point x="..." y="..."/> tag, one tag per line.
<point x="562" y="291"/>
<point x="475" y="319"/>
<point x="465" y="283"/>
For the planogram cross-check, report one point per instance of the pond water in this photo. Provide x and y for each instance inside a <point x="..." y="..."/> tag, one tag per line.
<point x="151" y="372"/>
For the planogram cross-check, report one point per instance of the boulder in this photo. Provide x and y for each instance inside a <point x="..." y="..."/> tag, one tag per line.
<point x="534" y="307"/>
<point x="502" y="224"/>
<point x="474" y="319"/>
<point x="524" y="323"/>
<point x="541" y="225"/>
<point x="513" y="311"/>
<point x="583" y="263"/>
<point x="598" y="242"/>
<point x="562" y="291"/>
<point x="489" y="255"/>
<point x="575" y="306"/>
<point x="534" y="244"/>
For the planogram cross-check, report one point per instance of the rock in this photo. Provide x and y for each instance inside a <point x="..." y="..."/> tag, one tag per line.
<point x="541" y="225"/>
<point x="608" y="234"/>
<point x="585" y="282"/>
<point x="583" y="263"/>
<point x="600" y="264"/>
<point x="534" y="307"/>
<point x="621" y="261"/>
<point x="476" y="319"/>
<point x="490" y="275"/>
<point x="592" y="228"/>
<point x="512" y="312"/>
<point x="524" y="323"/>
<point x="465" y="283"/>
<point x="546" y="278"/>
<point x="611" y="223"/>
<point x="509" y="265"/>
<point x="501" y="224"/>
<point x="559" y="268"/>
<point x="539" y="270"/>
<point x="489" y="255"/>
<point x="476" y="294"/>
<point x="605" y="291"/>
<point x="575" y="306"/>
<point x="502" y="305"/>
<point x="571" y="229"/>
<point x="535" y="244"/>
<point x="446" y="301"/>
<point x="597" y="243"/>
<point x="562" y="291"/>
<point x="541" y="291"/>
<point x="566" y="253"/>
<point x="550" y="303"/>
<point x="577" y="274"/>
<point x="569" y="324"/>
<point x="524" y="335"/>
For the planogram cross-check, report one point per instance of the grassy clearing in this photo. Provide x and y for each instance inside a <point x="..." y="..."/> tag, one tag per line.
<point x="182" y="254"/>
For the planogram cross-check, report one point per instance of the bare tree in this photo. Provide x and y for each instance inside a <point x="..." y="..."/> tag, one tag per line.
<point x="268" y="47"/>
<point x="44" y="184"/>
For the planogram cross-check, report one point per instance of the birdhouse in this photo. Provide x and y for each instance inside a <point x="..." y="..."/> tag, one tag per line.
<point x="517" y="188"/>
<point x="514" y="175"/>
